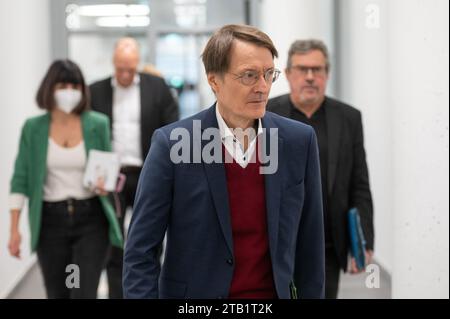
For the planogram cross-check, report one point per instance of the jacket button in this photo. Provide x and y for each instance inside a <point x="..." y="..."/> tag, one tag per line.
<point x="230" y="261"/>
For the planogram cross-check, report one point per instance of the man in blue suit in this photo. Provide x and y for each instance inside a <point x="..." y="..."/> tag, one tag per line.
<point x="236" y="188"/>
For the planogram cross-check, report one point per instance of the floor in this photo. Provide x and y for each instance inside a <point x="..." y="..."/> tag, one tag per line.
<point x="352" y="287"/>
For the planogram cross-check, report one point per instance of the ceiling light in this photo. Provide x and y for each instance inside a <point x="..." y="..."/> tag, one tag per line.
<point x="111" y="10"/>
<point x="122" y="22"/>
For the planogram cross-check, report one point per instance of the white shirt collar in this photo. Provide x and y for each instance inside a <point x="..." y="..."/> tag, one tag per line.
<point x="136" y="81"/>
<point x="225" y="131"/>
<point x="232" y="143"/>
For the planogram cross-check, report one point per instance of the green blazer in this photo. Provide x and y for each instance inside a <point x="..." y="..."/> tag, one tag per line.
<point x="31" y="167"/>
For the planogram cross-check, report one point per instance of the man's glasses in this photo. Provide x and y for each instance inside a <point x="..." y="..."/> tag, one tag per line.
<point x="304" y="70"/>
<point x="250" y="77"/>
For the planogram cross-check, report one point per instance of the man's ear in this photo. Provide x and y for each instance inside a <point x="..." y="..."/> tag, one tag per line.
<point x="213" y="80"/>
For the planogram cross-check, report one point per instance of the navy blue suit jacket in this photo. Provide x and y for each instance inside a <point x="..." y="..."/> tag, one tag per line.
<point x="190" y="202"/>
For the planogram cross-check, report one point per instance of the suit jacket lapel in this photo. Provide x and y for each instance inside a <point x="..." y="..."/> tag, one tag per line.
<point x="215" y="174"/>
<point x="272" y="183"/>
<point x="334" y="127"/>
<point x="216" y="177"/>
<point x="145" y="100"/>
<point x="89" y="134"/>
<point x="41" y="137"/>
<point x="107" y="107"/>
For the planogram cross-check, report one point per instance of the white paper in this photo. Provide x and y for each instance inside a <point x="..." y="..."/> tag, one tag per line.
<point x="102" y="167"/>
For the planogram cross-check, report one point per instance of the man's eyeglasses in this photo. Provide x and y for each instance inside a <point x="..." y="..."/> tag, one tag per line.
<point x="304" y="70"/>
<point x="250" y="77"/>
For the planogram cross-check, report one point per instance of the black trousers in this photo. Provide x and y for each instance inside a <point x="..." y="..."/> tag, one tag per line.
<point x="114" y="261"/>
<point x="72" y="233"/>
<point x="332" y="272"/>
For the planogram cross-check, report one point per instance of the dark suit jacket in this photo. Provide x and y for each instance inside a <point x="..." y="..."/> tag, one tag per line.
<point x="158" y="106"/>
<point x="190" y="201"/>
<point x="348" y="179"/>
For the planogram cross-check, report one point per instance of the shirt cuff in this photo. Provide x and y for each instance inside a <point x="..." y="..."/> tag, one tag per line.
<point x="16" y="201"/>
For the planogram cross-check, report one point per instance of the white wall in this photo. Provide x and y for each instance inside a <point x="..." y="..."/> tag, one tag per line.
<point x="397" y="74"/>
<point x="363" y="80"/>
<point x="288" y="20"/>
<point x="420" y="102"/>
<point x="24" y="58"/>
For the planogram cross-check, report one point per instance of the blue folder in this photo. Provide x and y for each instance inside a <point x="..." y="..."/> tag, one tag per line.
<point x="357" y="241"/>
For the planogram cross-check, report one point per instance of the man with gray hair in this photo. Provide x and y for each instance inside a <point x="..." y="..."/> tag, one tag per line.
<point x="137" y="104"/>
<point x="344" y="174"/>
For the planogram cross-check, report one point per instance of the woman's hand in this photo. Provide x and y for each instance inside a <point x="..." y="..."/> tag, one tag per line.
<point x="14" y="244"/>
<point x="99" y="188"/>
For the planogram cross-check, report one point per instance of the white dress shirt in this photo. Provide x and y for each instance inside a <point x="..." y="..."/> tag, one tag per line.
<point x="126" y="124"/>
<point x="232" y="144"/>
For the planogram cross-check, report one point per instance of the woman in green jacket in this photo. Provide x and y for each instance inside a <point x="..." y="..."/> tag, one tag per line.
<point x="70" y="225"/>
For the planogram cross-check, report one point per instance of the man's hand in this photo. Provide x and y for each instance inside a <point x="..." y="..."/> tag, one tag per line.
<point x="354" y="270"/>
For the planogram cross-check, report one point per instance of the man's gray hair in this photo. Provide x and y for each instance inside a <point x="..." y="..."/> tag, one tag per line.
<point x="306" y="46"/>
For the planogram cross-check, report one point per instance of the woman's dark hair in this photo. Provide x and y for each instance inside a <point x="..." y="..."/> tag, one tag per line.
<point x="67" y="72"/>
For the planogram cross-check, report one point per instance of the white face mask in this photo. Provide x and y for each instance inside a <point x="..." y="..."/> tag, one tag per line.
<point x="67" y="99"/>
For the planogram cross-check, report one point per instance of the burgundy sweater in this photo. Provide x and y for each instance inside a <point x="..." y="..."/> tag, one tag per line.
<point x="252" y="277"/>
